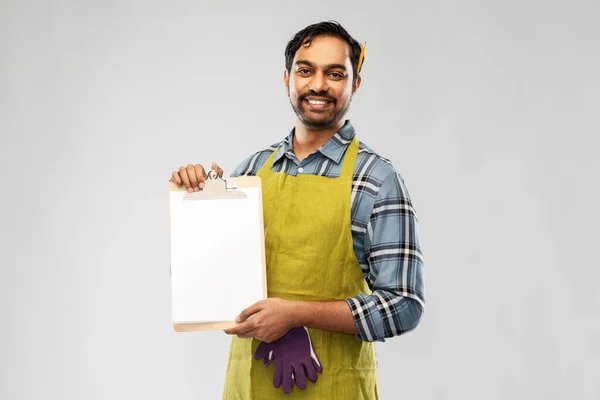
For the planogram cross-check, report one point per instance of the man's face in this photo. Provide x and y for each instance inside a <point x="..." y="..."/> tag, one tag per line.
<point x="319" y="84"/>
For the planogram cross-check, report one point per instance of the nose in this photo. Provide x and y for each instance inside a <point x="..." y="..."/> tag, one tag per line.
<point x="318" y="83"/>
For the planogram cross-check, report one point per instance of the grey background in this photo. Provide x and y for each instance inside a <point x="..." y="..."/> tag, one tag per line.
<point x="489" y="110"/>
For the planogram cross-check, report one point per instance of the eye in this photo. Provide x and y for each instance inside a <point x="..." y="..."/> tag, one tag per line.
<point x="337" y="75"/>
<point x="303" y="71"/>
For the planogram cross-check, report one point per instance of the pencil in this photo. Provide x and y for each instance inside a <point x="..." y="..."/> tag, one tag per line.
<point x="361" y="57"/>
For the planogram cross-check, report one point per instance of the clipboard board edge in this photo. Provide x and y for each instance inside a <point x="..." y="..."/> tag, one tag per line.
<point x="241" y="182"/>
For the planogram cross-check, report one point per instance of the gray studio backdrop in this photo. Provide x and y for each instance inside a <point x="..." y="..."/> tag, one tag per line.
<point x="489" y="110"/>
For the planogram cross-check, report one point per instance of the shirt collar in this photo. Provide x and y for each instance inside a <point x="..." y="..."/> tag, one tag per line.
<point x="333" y="149"/>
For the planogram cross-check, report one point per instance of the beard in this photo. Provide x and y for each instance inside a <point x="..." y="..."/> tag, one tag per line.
<point x="319" y="120"/>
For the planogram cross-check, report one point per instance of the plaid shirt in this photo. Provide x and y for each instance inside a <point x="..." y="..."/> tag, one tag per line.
<point x="384" y="231"/>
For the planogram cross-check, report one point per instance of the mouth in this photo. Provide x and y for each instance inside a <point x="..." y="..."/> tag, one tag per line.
<point x="317" y="102"/>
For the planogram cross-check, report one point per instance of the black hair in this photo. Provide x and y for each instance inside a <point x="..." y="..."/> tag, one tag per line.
<point x="325" y="28"/>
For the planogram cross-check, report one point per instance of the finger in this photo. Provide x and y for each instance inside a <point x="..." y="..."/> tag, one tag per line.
<point x="311" y="373"/>
<point x="175" y="178"/>
<point x="317" y="364"/>
<point x="268" y="359"/>
<point x="278" y="374"/>
<point x="200" y="175"/>
<point x="300" y="376"/>
<point x="288" y="378"/>
<point x="191" y="171"/>
<point x="184" y="178"/>
<point x="216" y="167"/>
<point x="244" y="329"/>
<point x="313" y="356"/>
<point x="246" y="313"/>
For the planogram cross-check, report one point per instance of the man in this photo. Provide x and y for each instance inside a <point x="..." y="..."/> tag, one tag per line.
<point x="344" y="264"/>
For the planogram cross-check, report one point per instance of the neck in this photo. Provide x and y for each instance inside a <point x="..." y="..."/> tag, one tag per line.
<point x="307" y="140"/>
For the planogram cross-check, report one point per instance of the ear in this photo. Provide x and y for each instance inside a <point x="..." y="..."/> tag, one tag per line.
<point x="286" y="81"/>
<point x="356" y="84"/>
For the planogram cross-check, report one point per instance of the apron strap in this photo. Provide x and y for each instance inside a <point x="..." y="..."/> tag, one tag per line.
<point x="269" y="163"/>
<point x="350" y="159"/>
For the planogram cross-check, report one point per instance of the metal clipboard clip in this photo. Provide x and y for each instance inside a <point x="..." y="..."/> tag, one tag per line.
<point x="215" y="188"/>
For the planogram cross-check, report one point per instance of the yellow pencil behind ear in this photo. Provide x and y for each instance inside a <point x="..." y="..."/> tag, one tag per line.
<point x="360" y="58"/>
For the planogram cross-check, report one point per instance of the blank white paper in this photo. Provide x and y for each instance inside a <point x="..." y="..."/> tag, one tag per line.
<point x="216" y="257"/>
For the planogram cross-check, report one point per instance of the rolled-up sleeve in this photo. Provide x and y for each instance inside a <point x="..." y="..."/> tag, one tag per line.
<point x="395" y="267"/>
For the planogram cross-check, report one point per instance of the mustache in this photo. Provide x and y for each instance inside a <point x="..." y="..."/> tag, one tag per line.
<point x="323" y="95"/>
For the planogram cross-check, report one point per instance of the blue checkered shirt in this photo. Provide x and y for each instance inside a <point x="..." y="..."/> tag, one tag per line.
<point x="384" y="231"/>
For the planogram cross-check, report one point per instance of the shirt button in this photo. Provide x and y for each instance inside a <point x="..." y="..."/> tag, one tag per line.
<point x="300" y="169"/>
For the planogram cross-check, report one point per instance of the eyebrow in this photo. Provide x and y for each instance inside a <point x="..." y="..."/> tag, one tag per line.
<point x="329" y="66"/>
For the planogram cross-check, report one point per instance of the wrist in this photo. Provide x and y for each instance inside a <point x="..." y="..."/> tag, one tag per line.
<point x="298" y="314"/>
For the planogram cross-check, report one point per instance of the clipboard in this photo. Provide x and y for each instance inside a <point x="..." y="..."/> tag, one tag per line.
<point x="233" y="207"/>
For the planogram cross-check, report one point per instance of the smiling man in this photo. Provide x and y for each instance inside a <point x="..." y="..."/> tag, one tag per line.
<point x="344" y="263"/>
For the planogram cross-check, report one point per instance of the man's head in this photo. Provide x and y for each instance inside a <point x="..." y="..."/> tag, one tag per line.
<point x="321" y="76"/>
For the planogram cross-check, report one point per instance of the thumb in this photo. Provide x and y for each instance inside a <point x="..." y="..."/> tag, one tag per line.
<point x="263" y="351"/>
<point x="216" y="167"/>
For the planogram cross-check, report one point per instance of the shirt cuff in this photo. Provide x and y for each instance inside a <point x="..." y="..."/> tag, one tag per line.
<point x="367" y="317"/>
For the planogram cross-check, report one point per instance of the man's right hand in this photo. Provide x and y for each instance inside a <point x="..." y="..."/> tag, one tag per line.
<point x="192" y="177"/>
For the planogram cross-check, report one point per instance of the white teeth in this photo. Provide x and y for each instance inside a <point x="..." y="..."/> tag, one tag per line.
<point x="317" y="101"/>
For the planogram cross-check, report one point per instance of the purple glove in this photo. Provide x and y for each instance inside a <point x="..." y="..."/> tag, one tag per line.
<point x="295" y="359"/>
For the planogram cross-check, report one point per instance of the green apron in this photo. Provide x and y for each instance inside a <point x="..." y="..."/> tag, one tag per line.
<point x="310" y="256"/>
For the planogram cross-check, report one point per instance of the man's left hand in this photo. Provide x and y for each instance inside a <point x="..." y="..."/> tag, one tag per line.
<point x="266" y="320"/>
